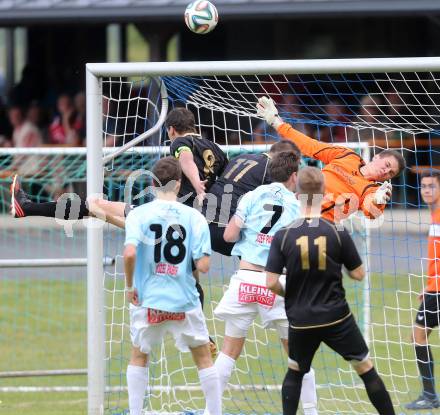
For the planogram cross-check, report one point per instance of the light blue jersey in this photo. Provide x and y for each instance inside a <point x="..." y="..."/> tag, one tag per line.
<point x="264" y="211"/>
<point x="168" y="236"/>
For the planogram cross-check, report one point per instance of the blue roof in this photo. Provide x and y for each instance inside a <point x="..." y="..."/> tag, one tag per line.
<point x="45" y="11"/>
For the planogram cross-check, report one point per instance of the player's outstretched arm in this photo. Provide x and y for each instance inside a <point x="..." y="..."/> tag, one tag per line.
<point x="308" y="146"/>
<point x="238" y="220"/>
<point x="266" y="109"/>
<point x="375" y="199"/>
<point x="108" y="211"/>
<point x="191" y="171"/>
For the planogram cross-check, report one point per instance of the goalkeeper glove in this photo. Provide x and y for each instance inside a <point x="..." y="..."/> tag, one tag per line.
<point x="383" y="194"/>
<point x="266" y="109"/>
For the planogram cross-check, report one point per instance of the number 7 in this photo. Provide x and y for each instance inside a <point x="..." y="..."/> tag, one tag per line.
<point x="277" y="211"/>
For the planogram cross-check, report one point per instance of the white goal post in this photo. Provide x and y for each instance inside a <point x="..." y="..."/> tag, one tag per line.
<point x="157" y="70"/>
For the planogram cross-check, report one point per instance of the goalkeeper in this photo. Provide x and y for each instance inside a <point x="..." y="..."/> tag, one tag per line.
<point x="350" y="183"/>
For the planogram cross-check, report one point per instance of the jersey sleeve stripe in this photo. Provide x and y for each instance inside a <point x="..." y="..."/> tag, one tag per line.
<point x="331" y="206"/>
<point x="330" y="147"/>
<point x="349" y="153"/>
<point x="283" y="242"/>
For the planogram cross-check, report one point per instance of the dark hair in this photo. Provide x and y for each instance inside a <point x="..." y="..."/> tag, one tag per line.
<point x="284" y="145"/>
<point x="166" y="170"/>
<point x="21" y="109"/>
<point x="399" y="158"/>
<point x="283" y="165"/>
<point x="182" y="120"/>
<point x="310" y="182"/>
<point x="430" y="173"/>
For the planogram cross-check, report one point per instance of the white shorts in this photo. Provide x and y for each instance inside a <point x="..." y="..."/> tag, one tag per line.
<point x="188" y="332"/>
<point x="246" y="298"/>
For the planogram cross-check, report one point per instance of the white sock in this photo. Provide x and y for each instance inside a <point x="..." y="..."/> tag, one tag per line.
<point x="209" y="380"/>
<point x="308" y="396"/>
<point x="137" y="382"/>
<point x="224" y="365"/>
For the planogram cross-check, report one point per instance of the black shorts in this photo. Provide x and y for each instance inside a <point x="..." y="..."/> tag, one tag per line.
<point x="429" y="311"/>
<point x="344" y="338"/>
<point x="218" y="244"/>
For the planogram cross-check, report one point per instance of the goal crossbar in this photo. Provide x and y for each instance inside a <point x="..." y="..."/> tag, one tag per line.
<point x="94" y="74"/>
<point x="275" y="67"/>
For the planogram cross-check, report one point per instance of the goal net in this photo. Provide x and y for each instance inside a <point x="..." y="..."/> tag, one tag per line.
<point x="368" y="105"/>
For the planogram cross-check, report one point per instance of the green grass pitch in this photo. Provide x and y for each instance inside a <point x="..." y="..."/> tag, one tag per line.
<point x="43" y="326"/>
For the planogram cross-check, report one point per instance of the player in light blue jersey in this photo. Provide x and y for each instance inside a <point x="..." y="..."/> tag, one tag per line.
<point x="260" y="214"/>
<point x="163" y="238"/>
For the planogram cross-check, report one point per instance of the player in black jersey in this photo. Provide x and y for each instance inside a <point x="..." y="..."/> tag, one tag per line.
<point x="201" y="160"/>
<point x="242" y="174"/>
<point x="313" y="251"/>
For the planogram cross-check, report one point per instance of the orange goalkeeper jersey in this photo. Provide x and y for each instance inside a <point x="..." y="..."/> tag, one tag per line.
<point x="346" y="189"/>
<point x="433" y="283"/>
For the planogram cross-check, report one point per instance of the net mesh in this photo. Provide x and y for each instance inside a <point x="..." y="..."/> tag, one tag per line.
<point x="377" y="111"/>
<point x="382" y="110"/>
<point x="41" y="306"/>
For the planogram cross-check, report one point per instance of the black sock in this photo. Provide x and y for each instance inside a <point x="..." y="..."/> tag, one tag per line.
<point x="377" y="392"/>
<point x="49" y="209"/>
<point x="201" y="294"/>
<point x="426" y="369"/>
<point x="291" y="391"/>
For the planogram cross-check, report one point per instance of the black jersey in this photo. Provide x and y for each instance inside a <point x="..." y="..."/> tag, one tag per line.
<point x="313" y="252"/>
<point x="242" y="174"/>
<point x="208" y="157"/>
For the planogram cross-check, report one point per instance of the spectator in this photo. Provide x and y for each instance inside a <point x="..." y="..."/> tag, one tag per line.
<point x="64" y="128"/>
<point x="37" y="115"/>
<point x="336" y="132"/>
<point x="396" y="110"/>
<point x="370" y="112"/>
<point x="25" y="133"/>
<point x="369" y="119"/>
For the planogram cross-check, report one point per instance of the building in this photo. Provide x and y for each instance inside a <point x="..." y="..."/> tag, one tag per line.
<point x="55" y="38"/>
